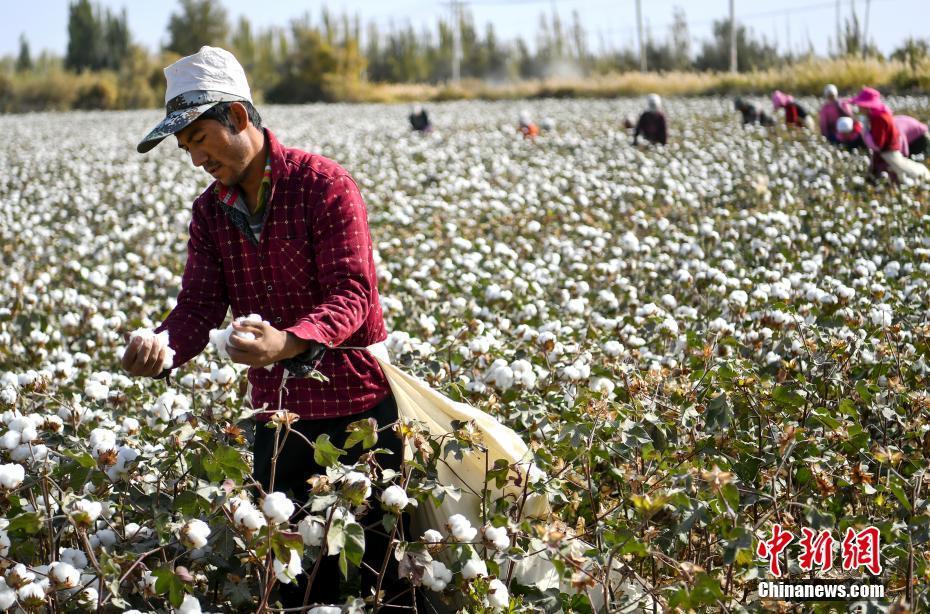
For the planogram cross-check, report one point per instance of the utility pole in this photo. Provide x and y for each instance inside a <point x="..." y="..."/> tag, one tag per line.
<point x="839" y="31"/>
<point x="865" y="29"/>
<point x="639" y="29"/>
<point x="733" y="62"/>
<point x="456" y="39"/>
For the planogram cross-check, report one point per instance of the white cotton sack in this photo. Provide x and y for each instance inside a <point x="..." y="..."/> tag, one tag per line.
<point x="161" y="338"/>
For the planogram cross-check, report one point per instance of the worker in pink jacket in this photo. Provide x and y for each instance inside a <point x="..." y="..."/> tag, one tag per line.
<point x="914" y="138"/>
<point x="833" y="109"/>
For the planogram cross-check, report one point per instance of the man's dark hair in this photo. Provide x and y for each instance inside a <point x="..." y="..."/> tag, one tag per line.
<point x="220" y="112"/>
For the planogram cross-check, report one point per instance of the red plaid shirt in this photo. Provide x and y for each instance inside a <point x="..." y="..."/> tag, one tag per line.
<point x="312" y="274"/>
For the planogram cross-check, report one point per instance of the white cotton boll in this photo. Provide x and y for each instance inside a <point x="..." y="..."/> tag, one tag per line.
<point x="9" y="440"/>
<point x="4" y="545"/>
<point x="32" y="595"/>
<point x="287" y="573"/>
<point x="104" y="537"/>
<point x="603" y="386"/>
<point x="436" y="576"/>
<point x="394" y="498"/>
<point x="222" y="375"/>
<point x="474" y="568"/>
<point x="8" y="395"/>
<point x="325" y="609"/>
<point x="249" y="518"/>
<point x="64" y="575"/>
<point x="29" y="452"/>
<point x="496" y="537"/>
<point x="432" y="536"/>
<point x="161" y="338"/>
<point x="129" y="426"/>
<point x="881" y="315"/>
<point x="7" y="595"/>
<point x="101" y="440"/>
<point x="96" y="391"/>
<point x="277" y="507"/>
<point x="88" y="596"/>
<point x="355" y="479"/>
<point x="219" y="337"/>
<point x="311" y="530"/>
<point x="194" y="534"/>
<point x="190" y="605"/>
<point x="460" y="528"/>
<point x="73" y="557"/>
<point x="612" y="348"/>
<point x="498" y="597"/>
<point x="11" y="476"/>
<point x="89" y="508"/>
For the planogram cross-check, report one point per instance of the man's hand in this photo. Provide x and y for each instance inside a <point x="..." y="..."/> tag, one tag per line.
<point x="269" y="346"/>
<point x="144" y="357"/>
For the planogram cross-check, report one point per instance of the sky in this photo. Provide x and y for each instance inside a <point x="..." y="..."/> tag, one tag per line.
<point x="609" y="23"/>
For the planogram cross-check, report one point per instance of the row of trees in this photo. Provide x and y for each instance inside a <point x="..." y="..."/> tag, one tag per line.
<point x="334" y="57"/>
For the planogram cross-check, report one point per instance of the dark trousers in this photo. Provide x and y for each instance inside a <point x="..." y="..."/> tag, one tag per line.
<point x="295" y="465"/>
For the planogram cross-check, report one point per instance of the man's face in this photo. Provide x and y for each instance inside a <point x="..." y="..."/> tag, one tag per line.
<point x="216" y="149"/>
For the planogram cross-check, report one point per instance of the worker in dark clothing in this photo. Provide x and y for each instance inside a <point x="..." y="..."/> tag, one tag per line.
<point x="752" y="114"/>
<point x="651" y="124"/>
<point x="419" y="120"/>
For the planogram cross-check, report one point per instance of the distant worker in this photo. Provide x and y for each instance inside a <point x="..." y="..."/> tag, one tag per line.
<point x="914" y="137"/>
<point x="831" y="111"/>
<point x="883" y="138"/>
<point x="419" y="120"/>
<point x="651" y="123"/>
<point x="795" y="114"/>
<point x="527" y="127"/>
<point x="752" y="114"/>
<point x="849" y="133"/>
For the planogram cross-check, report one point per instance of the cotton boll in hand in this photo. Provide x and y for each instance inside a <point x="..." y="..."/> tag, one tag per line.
<point x="219" y="337"/>
<point x="162" y="339"/>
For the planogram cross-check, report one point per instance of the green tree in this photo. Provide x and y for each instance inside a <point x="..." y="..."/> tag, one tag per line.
<point x="24" y="59"/>
<point x="198" y="23"/>
<point x="751" y="52"/>
<point x="913" y="52"/>
<point x="116" y="42"/>
<point x="304" y="67"/>
<point x="85" y="34"/>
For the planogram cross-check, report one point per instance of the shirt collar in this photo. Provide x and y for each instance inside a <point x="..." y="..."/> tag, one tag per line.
<point x="228" y="194"/>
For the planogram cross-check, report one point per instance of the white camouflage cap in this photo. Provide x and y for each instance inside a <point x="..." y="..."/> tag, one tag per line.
<point x="195" y="84"/>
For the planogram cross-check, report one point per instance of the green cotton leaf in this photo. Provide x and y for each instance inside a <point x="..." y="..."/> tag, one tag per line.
<point x="902" y="497"/>
<point x="848" y="407"/>
<point x="325" y="454"/>
<point x="719" y="414"/>
<point x="706" y="591"/>
<point x="730" y="494"/>
<point x="355" y="543"/>
<point x="25" y="524"/>
<point x="821" y="415"/>
<point x="785" y="397"/>
<point x="335" y="537"/>
<point x="168" y="581"/>
<point x="230" y="462"/>
<point x="364" y="431"/>
<point x="84" y="459"/>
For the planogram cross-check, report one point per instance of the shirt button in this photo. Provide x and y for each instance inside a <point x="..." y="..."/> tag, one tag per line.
<point x="277" y="320"/>
<point x="269" y="288"/>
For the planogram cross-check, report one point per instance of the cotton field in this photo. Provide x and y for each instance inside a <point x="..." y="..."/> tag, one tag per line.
<point x="696" y="341"/>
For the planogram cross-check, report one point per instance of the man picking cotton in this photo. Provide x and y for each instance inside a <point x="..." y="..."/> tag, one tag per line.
<point x="284" y="234"/>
